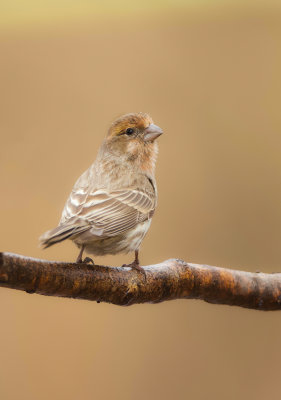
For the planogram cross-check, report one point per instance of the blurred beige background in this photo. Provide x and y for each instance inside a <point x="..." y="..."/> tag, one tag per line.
<point x="209" y="75"/>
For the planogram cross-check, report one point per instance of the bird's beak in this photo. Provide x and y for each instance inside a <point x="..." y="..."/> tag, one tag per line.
<point x="152" y="132"/>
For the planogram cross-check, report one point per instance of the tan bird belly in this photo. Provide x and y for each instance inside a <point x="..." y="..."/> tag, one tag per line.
<point x="123" y="243"/>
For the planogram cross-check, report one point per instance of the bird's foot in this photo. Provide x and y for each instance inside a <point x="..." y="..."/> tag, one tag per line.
<point x="135" y="265"/>
<point x="88" y="260"/>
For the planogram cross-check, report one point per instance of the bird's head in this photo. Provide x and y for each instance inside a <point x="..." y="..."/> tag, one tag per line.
<point x="134" y="137"/>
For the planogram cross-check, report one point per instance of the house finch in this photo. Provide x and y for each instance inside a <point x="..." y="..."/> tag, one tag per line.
<point x="111" y="205"/>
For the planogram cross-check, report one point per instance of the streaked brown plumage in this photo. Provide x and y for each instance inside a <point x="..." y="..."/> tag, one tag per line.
<point x="111" y="205"/>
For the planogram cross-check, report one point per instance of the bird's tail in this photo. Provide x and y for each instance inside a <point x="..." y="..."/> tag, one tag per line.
<point x="62" y="232"/>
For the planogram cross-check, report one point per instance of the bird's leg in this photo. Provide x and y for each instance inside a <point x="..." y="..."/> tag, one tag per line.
<point x="135" y="264"/>
<point x="86" y="260"/>
<point x="137" y="261"/>
<point x="79" y="258"/>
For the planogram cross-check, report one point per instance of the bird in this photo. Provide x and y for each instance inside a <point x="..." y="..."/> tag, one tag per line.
<point x="111" y="205"/>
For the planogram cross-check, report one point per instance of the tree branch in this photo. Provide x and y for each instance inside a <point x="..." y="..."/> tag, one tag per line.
<point x="172" y="279"/>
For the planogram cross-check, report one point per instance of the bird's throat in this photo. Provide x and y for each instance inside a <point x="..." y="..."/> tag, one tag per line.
<point x="143" y="156"/>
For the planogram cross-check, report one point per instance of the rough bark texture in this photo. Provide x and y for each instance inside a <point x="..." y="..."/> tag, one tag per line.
<point x="172" y="279"/>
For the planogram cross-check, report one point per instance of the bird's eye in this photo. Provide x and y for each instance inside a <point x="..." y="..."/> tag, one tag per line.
<point x="129" y="131"/>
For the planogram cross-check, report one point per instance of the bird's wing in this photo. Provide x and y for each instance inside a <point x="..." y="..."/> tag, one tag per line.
<point x="104" y="213"/>
<point x="117" y="211"/>
<point x="108" y="212"/>
<point x="77" y="198"/>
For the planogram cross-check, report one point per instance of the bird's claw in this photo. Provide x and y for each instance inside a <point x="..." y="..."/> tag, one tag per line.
<point x="136" y="266"/>
<point x="88" y="260"/>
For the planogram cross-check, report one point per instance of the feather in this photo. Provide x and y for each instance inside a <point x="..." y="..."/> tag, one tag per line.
<point x="63" y="232"/>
